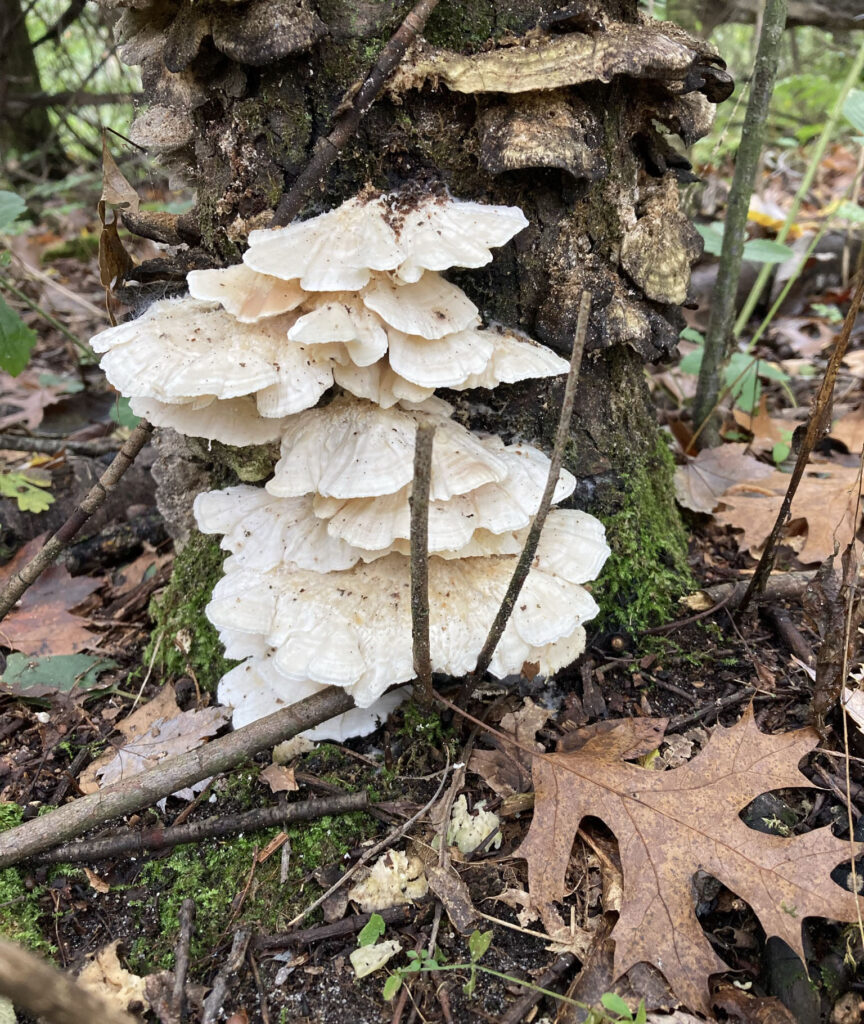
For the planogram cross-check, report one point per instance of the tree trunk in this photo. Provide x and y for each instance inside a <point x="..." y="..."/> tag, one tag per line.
<point x="21" y="132"/>
<point x="243" y="92"/>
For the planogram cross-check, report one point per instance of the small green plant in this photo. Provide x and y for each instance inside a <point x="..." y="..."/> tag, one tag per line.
<point x="16" y="338"/>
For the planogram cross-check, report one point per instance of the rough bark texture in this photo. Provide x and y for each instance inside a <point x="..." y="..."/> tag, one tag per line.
<point x="242" y="91"/>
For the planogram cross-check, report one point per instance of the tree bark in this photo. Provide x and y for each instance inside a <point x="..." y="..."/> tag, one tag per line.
<point x="242" y="111"/>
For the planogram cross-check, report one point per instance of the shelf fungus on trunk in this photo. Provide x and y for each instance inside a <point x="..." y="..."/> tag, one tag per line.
<point x="316" y="590"/>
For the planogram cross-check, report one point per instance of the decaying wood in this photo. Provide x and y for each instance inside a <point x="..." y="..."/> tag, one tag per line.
<point x="210" y="828"/>
<point x="96" y="496"/>
<point x="219" y="755"/>
<point x="181" y="957"/>
<point x="37" y="988"/>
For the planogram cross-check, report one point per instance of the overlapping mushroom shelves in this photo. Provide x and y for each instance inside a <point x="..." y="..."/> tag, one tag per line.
<point x="316" y="590"/>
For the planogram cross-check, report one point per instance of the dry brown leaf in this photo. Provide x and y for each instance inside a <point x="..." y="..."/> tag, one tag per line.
<point x="671" y="824"/>
<point x="116" y="190"/>
<point x="507" y="769"/>
<point x="28" y="398"/>
<point x="700" y="481"/>
<point x="767" y="430"/>
<point x="805" y="335"/>
<point x="41" y="623"/>
<point x="850" y="430"/>
<point x="825" y="500"/>
<point x="854" y="361"/>
<point x="280" y="779"/>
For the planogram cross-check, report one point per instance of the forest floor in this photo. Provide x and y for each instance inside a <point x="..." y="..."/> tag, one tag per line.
<point x="93" y="663"/>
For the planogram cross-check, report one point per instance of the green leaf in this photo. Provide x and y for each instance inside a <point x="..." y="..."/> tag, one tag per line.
<point x="391" y="986"/>
<point x="122" y="415"/>
<point x="11" y="208"/>
<point x="641" y="1013"/>
<point x="691" y="334"/>
<point x="851" y="212"/>
<point x="372" y="931"/>
<point x="16" y="340"/>
<point x="853" y="109"/>
<point x="691" y="362"/>
<point x="69" y="385"/>
<point x="761" y="250"/>
<point x="478" y="943"/>
<point x="25" y="491"/>
<point x="615" y="1004"/>
<point x="780" y="452"/>
<point x="712" y="236"/>
<point x="42" y="677"/>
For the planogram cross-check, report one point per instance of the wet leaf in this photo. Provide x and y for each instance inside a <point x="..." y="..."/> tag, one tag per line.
<point x="44" y="677"/>
<point x="671" y="824"/>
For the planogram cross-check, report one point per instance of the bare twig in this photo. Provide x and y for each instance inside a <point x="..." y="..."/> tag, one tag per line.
<point x="396" y="916"/>
<point x="51" y="446"/>
<point x="20" y="581"/>
<point x="209" y="828"/>
<point x="347" y="122"/>
<point x="40" y="990"/>
<point x="520" y="1009"/>
<point x="783" y="587"/>
<point x="219" y="755"/>
<point x="186" y="919"/>
<point x="420" y="559"/>
<point x="213" y="1002"/>
<point x="523" y="566"/>
<point x="387" y="841"/>
<point x="815" y="426"/>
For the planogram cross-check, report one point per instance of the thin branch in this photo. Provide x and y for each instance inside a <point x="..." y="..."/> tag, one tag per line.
<point x="40" y="990"/>
<point x="210" y="828"/>
<point x="347" y="122"/>
<point x="419" y="502"/>
<point x="719" y="333"/>
<point x="213" y="1002"/>
<point x="219" y="755"/>
<point x="26" y="443"/>
<point x="523" y="566"/>
<point x="397" y="916"/>
<point x="20" y="581"/>
<point x="815" y="426"/>
<point x="68" y="99"/>
<point x="67" y="18"/>
<point x="186" y="919"/>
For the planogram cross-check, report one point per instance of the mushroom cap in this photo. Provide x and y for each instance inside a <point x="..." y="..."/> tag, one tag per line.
<point x="263" y="532"/>
<point x="497" y="507"/>
<point x="234" y="421"/>
<point x="353" y="628"/>
<point x="443" y="362"/>
<point x="247" y="296"/>
<point x="430" y="307"/>
<point x="337" y="250"/>
<point x="514" y="357"/>
<point x="342" y="317"/>
<point x="380" y="384"/>
<point x="255" y="689"/>
<point x="183" y="349"/>
<point x="354" y="449"/>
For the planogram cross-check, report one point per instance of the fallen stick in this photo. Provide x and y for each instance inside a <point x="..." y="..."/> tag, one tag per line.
<point x="20" y="581"/>
<point x="230" y="967"/>
<point x="395" y="916"/>
<point x="40" y="990"/>
<point x="178" y="772"/>
<point x="181" y="958"/>
<point x="209" y="828"/>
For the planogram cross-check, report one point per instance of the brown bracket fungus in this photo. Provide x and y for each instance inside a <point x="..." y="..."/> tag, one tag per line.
<point x="316" y="590"/>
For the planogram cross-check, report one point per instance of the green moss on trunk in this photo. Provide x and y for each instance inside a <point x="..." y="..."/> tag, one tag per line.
<point x="183" y="641"/>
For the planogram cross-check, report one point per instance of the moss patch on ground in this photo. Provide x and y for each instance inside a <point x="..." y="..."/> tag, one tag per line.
<point x="218" y="875"/>
<point x="183" y="641"/>
<point x="20" y="910"/>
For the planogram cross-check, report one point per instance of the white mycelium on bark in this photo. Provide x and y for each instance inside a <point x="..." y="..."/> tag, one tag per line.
<point x="316" y="590"/>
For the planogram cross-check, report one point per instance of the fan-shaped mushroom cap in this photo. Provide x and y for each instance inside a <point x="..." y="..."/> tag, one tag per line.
<point x="441" y="363"/>
<point x="572" y="545"/>
<point x="332" y="252"/>
<point x="353" y="449"/>
<point x="263" y="532"/>
<point x="234" y="421"/>
<point x="255" y="689"/>
<point x="182" y="349"/>
<point x="430" y="307"/>
<point x="380" y="384"/>
<point x="498" y="507"/>
<point x="514" y="357"/>
<point x="353" y="628"/>
<point x="342" y="317"/>
<point x="247" y="296"/>
<point x="337" y="250"/>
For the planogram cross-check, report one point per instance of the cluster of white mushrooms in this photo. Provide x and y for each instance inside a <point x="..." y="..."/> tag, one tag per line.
<point x="316" y="591"/>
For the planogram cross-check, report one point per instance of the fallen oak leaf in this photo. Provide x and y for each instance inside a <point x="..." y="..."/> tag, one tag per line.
<point x="671" y="824"/>
<point x="701" y="481"/>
